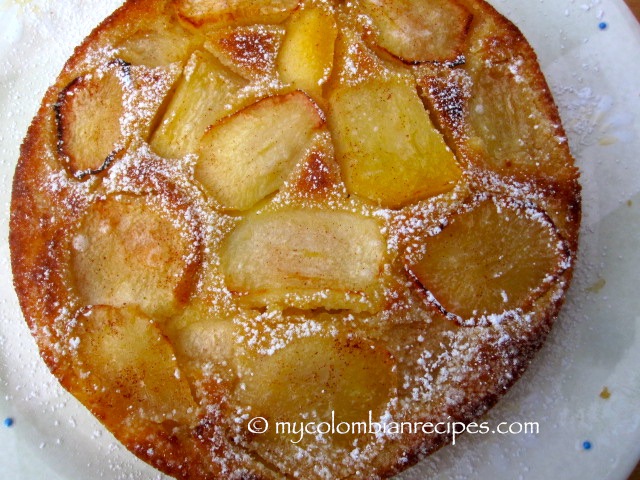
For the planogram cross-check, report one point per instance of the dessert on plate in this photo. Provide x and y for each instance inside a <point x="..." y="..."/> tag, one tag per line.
<point x="273" y="239"/>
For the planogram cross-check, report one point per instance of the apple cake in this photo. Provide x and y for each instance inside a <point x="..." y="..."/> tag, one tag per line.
<point x="269" y="239"/>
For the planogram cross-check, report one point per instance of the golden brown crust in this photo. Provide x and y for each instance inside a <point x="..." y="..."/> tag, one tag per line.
<point x="194" y="359"/>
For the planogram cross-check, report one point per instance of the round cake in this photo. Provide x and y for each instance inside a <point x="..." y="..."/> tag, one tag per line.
<point x="268" y="239"/>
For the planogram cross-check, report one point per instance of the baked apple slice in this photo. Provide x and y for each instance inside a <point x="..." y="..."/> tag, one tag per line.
<point x="89" y="114"/>
<point x="248" y="51"/>
<point x="207" y="340"/>
<point x="510" y="123"/>
<point x="306" y="56"/>
<point x="207" y="349"/>
<point x="307" y="259"/>
<point x="129" y="367"/>
<point x="386" y="144"/>
<point x="160" y="43"/>
<point x="489" y="260"/>
<point x="314" y="376"/>
<point x="100" y="113"/>
<point x="248" y="155"/>
<point x="202" y="97"/>
<point x="420" y="31"/>
<point x="126" y="252"/>
<point x="243" y="12"/>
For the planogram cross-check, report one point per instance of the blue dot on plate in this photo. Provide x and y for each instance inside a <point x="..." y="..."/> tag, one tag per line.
<point x="602" y="25"/>
<point x="8" y="422"/>
<point x="586" y="445"/>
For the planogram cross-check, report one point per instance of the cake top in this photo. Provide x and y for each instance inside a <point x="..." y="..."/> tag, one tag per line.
<point x="232" y="215"/>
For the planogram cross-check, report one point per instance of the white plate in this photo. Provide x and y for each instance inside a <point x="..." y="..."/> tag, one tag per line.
<point x="594" y="75"/>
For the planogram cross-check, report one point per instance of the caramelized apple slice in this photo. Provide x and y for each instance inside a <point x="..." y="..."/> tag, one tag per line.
<point x="88" y="114"/>
<point x="491" y="259"/>
<point x="130" y="366"/>
<point x="99" y="113"/>
<point x="244" y="12"/>
<point x="248" y="155"/>
<point x="128" y="252"/>
<point x="388" y="149"/>
<point x="312" y="377"/>
<point x="306" y="57"/>
<point x="248" y="51"/>
<point x="509" y="123"/>
<point x="306" y="259"/>
<point x="420" y="31"/>
<point x="201" y="98"/>
<point x="160" y="43"/>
